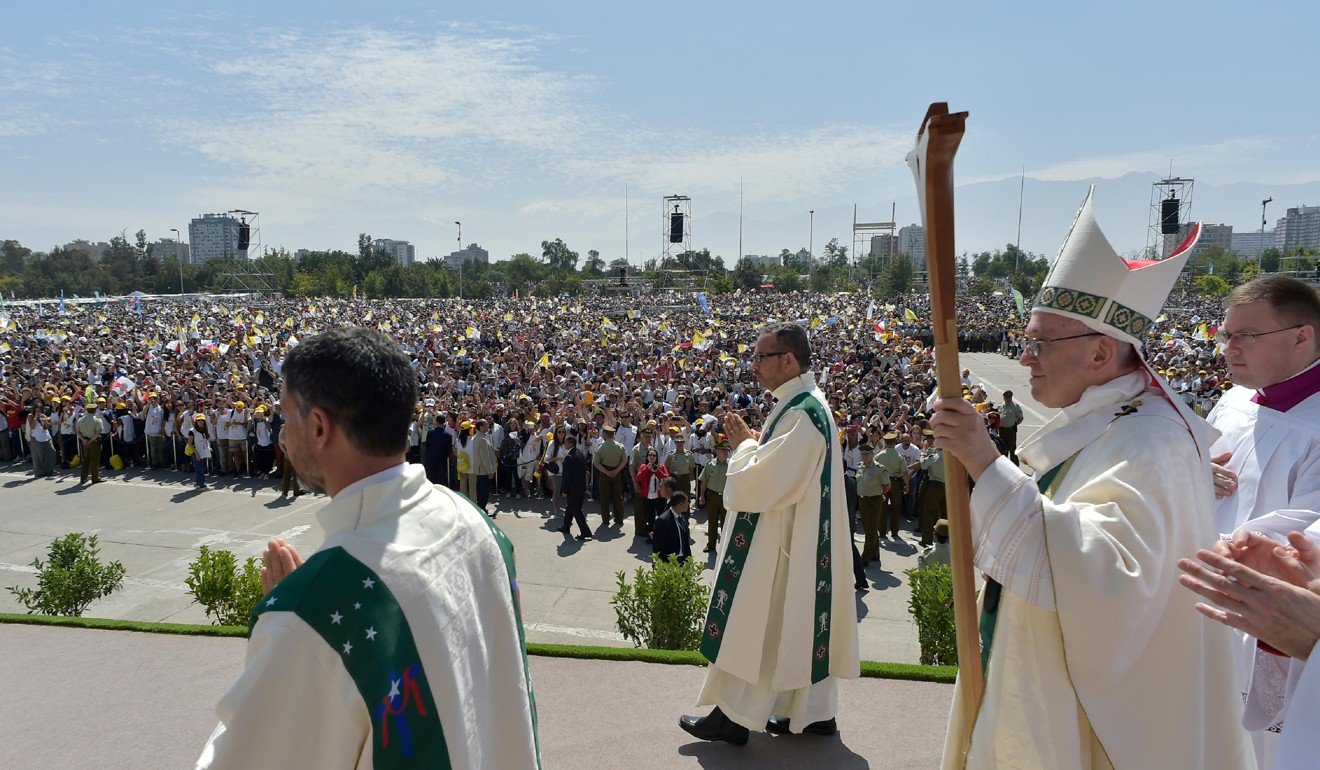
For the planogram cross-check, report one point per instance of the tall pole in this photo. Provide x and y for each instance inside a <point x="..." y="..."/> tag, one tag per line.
<point x="1261" y="254"/>
<point x="178" y="257"/>
<point x="811" y="237"/>
<point x="460" y="258"/>
<point x="1017" y="245"/>
<point x="740" y="217"/>
<point x="627" y="256"/>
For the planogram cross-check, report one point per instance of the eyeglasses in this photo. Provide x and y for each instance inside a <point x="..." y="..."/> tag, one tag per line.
<point x="1246" y="338"/>
<point x="1035" y="345"/>
<point x="759" y="357"/>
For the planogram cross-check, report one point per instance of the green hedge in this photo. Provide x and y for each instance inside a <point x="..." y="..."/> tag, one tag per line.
<point x="872" y="669"/>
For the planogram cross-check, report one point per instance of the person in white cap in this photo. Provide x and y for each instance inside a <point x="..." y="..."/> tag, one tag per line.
<point x="1094" y="657"/>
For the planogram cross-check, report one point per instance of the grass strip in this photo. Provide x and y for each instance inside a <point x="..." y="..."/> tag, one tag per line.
<point x="870" y="668"/>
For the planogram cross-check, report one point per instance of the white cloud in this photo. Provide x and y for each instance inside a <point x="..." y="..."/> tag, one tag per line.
<point x="1199" y="156"/>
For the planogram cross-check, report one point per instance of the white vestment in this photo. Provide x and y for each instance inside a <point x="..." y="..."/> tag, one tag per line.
<point x="1300" y="749"/>
<point x="1277" y="458"/>
<point x="1099" y="658"/>
<point x="296" y="704"/>
<point x="764" y="664"/>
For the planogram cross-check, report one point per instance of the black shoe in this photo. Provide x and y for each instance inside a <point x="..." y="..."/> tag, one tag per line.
<point x="583" y="536"/>
<point x="562" y="530"/>
<point x="708" y="549"/>
<point x="861" y="585"/>
<point x="714" y="727"/>
<point x="779" y="726"/>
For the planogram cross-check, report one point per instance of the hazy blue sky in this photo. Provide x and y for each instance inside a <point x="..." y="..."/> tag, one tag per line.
<point x="526" y="120"/>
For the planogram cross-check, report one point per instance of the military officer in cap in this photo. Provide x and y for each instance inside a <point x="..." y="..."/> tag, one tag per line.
<point x="931" y="504"/>
<point x="680" y="464"/>
<point x="1010" y="417"/>
<point x="899" y="481"/>
<point x="872" y="485"/>
<point x="638" y="459"/>
<point x="710" y="492"/>
<point x="610" y="461"/>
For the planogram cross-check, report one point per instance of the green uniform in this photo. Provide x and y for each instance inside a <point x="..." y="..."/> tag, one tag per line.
<point x="872" y="478"/>
<point x="931" y="504"/>
<point x="639" y="498"/>
<point x="611" y="456"/>
<point x="680" y="465"/>
<point x="711" y="484"/>
<point x="88" y="428"/>
<point x="893" y="507"/>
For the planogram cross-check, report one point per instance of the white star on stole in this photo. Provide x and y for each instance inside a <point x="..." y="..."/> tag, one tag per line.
<point x="271" y="601"/>
<point x="348" y="647"/>
<point x="335" y="617"/>
<point x="371" y="634"/>
<point x="368" y="583"/>
<point x="357" y="605"/>
<point x="394" y="689"/>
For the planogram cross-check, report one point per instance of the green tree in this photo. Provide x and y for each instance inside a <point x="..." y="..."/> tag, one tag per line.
<point x="558" y="256"/>
<point x="1211" y="285"/>
<point x="746" y="275"/>
<point x="71" y="578"/>
<point x="835" y="254"/>
<point x="897" y="277"/>
<point x="13" y="257"/>
<point x="664" y="607"/>
<point x="228" y="593"/>
<point x="594" y="267"/>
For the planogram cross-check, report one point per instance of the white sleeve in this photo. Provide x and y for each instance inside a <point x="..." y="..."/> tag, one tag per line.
<point x="775" y="475"/>
<point x="294" y="705"/>
<point x="1008" y="531"/>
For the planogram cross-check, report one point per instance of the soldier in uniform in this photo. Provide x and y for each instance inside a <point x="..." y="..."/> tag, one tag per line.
<point x="932" y="503"/>
<point x="638" y="459"/>
<point x="680" y="464"/>
<point x="893" y="462"/>
<point x="872" y="486"/>
<point x="610" y="461"/>
<point x="710" y="492"/>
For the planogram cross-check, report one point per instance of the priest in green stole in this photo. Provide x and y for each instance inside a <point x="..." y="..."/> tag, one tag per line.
<point x="781" y="629"/>
<point x="1094" y="658"/>
<point x="399" y="643"/>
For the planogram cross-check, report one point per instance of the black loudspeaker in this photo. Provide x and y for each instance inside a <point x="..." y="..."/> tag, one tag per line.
<point x="1169" y="216"/>
<point x="244" y="235"/>
<point x="676" y="227"/>
<point x="623" y="276"/>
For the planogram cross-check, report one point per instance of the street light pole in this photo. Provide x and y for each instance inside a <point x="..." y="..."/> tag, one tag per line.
<point x="1260" y="254"/>
<point x="811" y="237"/>
<point x="460" y="258"/>
<point x="178" y="257"/>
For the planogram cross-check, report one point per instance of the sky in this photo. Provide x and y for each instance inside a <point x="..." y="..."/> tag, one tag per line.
<point x="528" y="121"/>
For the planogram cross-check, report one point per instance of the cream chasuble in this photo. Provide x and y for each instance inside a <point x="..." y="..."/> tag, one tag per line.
<point x="1099" y="658"/>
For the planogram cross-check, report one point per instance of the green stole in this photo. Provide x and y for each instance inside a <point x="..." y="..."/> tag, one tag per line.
<point x="1048" y="484"/>
<point x="740" y="541"/>
<point x="353" y="610"/>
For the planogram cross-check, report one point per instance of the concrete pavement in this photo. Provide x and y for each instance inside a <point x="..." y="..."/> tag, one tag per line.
<point x="119" y="699"/>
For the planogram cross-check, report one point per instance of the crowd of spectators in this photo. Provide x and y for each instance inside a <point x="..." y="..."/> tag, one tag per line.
<point x="192" y="386"/>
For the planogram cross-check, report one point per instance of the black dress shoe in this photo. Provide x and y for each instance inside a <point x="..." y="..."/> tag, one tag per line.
<point x="779" y="726"/>
<point x="583" y="536"/>
<point x="714" y="727"/>
<point x="562" y="530"/>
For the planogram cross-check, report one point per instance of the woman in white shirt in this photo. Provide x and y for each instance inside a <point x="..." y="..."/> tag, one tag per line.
<point x="200" y="441"/>
<point x="555" y="452"/>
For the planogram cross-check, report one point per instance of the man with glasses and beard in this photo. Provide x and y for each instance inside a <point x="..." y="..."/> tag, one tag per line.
<point x="781" y="629"/>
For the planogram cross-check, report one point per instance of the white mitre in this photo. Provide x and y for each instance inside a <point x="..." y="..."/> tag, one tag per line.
<point x="1093" y="284"/>
<point x="1119" y="298"/>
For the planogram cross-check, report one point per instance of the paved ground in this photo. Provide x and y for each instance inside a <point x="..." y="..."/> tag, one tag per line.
<point x="118" y="699"/>
<point x="155" y="524"/>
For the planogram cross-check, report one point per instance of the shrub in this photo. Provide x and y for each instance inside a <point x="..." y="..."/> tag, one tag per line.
<point x="931" y="606"/>
<point x="664" y="607"/>
<point x="227" y="593"/>
<point x="72" y="578"/>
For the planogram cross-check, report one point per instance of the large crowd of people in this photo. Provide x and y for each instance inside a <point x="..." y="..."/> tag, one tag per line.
<point x="192" y="386"/>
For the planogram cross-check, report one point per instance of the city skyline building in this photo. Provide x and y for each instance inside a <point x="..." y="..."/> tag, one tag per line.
<point x="402" y="252"/>
<point x="213" y="236"/>
<point x="1298" y="228"/>
<point x="912" y="242"/>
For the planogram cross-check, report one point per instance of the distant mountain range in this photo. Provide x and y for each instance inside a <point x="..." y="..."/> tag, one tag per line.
<point x="987" y="215"/>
